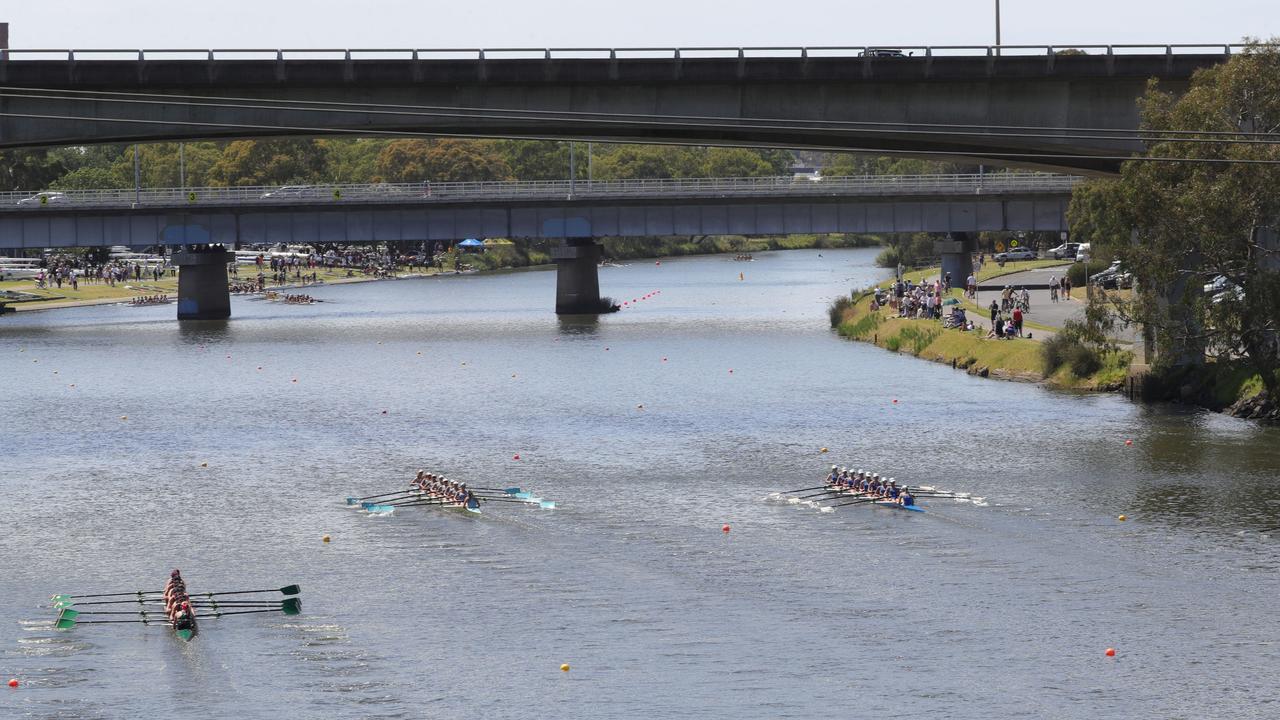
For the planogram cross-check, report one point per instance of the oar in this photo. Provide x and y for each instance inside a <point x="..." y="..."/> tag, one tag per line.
<point x="788" y="492"/>
<point x="509" y="491"/>
<point x="138" y="593"/>
<point x="136" y="601"/>
<point x="68" y="623"/>
<point x="354" y="500"/>
<point x="286" y="605"/>
<point x="859" y="501"/>
<point x="547" y="504"/>
<point x="286" y="590"/>
<point x="73" y="614"/>
<point x="1270" y="529"/>
<point x="824" y="492"/>
<point x="287" y="610"/>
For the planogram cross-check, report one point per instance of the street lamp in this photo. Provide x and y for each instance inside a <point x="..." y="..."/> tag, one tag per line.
<point x="997" y="27"/>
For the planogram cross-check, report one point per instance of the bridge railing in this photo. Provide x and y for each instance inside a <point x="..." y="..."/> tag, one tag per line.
<point x="454" y="192"/>
<point x="868" y="52"/>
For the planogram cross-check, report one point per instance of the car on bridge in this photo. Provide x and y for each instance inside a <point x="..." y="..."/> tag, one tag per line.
<point x="1016" y="254"/>
<point x="48" y="197"/>
<point x="293" y="192"/>
<point x="882" y="53"/>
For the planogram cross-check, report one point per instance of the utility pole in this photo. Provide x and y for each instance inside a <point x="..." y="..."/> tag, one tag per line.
<point x="182" y="166"/>
<point x="589" y="174"/>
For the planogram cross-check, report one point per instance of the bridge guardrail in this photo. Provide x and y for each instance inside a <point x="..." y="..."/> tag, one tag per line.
<point x="668" y="53"/>
<point x="452" y="192"/>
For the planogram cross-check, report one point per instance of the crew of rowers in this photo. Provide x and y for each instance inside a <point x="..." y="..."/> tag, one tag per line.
<point x="177" y="604"/>
<point x="150" y="300"/>
<point x="445" y="489"/>
<point x="867" y="483"/>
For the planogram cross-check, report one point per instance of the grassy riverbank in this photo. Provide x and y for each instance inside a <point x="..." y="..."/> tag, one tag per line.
<point x="1015" y="359"/>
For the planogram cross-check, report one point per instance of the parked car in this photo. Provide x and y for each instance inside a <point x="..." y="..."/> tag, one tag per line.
<point x="882" y="53"/>
<point x="292" y="192"/>
<point x="1217" y="285"/>
<point x="1065" y="251"/>
<point x="1112" y="278"/>
<point x="1016" y="254"/>
<point x="48" y="197"/>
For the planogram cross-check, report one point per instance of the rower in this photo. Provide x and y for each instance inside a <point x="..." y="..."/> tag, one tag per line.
<point x="894" y="490"/>
<point x="906" y="498"/>
<point x="834" y="476"/>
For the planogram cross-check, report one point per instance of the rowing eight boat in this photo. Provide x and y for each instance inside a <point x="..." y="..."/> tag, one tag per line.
<point x="879" y="501"/>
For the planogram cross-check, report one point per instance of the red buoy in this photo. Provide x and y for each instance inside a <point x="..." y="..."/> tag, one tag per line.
<point x="1128" y="442"/>
<point x="13" y="682"/>
<point x="724" y="528"/>
<point x="516" y="456"/>
<point x="1111" y="652"/>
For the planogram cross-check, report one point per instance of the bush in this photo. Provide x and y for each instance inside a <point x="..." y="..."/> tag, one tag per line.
<point x="1077" y="271"/>
<point x="888" y="258"/>
<point x="1071" y="348"/>
<point x="837" y="309"/>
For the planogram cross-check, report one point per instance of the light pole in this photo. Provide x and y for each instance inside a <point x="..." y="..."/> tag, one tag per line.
<point x="997" y="27"/>
<point x="182" y="166"/>
<point x="573" y="168"/>
<point x="137" y="177"/>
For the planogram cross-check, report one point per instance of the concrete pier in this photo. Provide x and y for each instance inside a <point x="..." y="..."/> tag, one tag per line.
<point x="957" y="256"/>
<point x="202" y="282"/>
<point x="578" y="279"/>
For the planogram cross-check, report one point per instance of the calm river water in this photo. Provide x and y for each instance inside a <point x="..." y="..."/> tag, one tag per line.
<point x="996" y="610"/>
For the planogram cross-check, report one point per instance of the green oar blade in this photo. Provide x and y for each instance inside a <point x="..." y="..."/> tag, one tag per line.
<point x="64" y="623"/>
<point x="292" y="606"/>
<point x="290" y="590"/>
<point x="60" y="598"/>
<point x="69" y="614"/>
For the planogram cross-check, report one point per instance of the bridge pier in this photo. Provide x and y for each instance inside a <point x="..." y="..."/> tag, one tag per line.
<point x="578" y="278"/>
<point x="202" y="282"/>
<point x="957" y="256"/>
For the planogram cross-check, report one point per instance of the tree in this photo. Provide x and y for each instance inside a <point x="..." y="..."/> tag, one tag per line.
<point x="30" y="169"/>
<point x="446" y="160"/>
<point x="737" y="162"/>
<point x="1176" y="225"/>
<point x="90" y="178"/>
<point x="539" y="159"/>
<point x="277" y="161"/>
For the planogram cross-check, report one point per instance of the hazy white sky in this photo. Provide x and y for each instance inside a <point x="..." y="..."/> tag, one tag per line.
<point x="610" y="23"/>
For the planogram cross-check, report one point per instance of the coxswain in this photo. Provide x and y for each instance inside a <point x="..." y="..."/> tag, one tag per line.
<point x="906" y="498"/>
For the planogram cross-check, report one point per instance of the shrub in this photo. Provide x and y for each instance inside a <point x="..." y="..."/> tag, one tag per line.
<point x="837" y="310"/>
<point x="893" y="343"/>
<point x="1077" y="271"/>
<point x="888" y="258"/>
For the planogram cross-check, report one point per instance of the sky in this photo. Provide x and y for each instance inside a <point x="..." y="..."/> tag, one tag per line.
<point x="82" y="24"/>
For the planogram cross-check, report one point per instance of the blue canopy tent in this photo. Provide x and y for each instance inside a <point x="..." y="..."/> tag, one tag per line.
<point x="471" y="244"/>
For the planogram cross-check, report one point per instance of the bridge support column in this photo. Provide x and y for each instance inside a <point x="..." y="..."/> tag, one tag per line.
<point x="202" y="282"/>
<point x="578" y="279"/>
<point x="957" y="256"/>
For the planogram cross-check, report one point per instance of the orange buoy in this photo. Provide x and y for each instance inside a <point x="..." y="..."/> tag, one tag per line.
<point x="1111" y="652"/>
<point x="724" y="528"/>
<point x="564" y="667"/>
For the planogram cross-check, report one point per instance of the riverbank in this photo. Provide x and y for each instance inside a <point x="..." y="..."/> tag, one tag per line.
<point x="1021" y="359"/>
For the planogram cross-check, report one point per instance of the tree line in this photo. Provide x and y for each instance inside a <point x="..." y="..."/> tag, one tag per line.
<point x="1196" y="220"/>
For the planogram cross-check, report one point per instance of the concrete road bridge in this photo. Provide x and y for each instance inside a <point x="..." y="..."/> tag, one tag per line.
<point x="575" y="212"/>
<point x="1063" y="108"/>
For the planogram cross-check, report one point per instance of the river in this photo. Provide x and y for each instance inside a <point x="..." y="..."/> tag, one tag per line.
<point x="652" y="428"/>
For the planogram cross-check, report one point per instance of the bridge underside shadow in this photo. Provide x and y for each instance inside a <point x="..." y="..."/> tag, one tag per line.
<point x="767" y="101"/>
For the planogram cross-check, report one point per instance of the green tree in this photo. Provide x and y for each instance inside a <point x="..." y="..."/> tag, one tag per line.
<point x="446" y="160"/>
<point x="1176" y="225"/>
<point x="737" y="162"/>
<point x="277" y="161"/>
<point x="91" y="178"/>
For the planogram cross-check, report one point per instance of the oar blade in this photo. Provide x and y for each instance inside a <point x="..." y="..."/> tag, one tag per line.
<point x="547" y="504"/>
<point x="292" y="606"/>
<point x="380" y="508"/>
<point x="64" y="623"/>
<point x="290" y="590"/>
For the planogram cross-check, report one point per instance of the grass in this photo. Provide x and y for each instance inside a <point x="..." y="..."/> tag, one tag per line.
<point x="97" y="292"/>
<point x="928" y="340"/>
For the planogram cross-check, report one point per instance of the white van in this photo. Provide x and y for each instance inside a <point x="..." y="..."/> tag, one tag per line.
<point x="1084" y="252"/>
